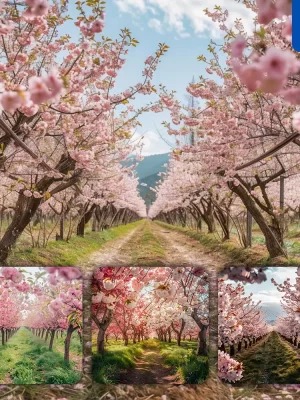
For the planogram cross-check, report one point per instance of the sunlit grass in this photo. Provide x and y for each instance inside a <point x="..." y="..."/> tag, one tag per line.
<point x="26" y="359"/>
<point x="191" y="369"/>
<point x="117" y="357"/>
<point x="61" y="253"/>
<point x="237" y="255"/>
<point x="274" y="362"/>
<point x="147" y="249"/>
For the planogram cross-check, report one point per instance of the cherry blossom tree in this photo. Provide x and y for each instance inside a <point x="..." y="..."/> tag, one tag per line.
<point x="246" y="133"/>
<point x="147" y="301"/>
<point x="240" y="320"/>
<point x="48" y="302"/>
<point x="289" y="325"/>
<point x="63" y="123"/>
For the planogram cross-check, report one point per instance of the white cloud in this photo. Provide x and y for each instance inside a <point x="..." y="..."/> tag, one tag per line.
<point x="130" y="5"/>
<point x="155" y="24"/>
<point x="280" y="274"/>
<point x="183" y="15"/>
<point x="152" y="143"/>
<point x="273" y="296"/>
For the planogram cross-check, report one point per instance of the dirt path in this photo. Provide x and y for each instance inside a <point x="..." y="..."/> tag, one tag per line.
<point x="148" y="370"/>
<point x="177" y="249"/>
<point x="114" y="252"/>
<point x="181" y="249"/>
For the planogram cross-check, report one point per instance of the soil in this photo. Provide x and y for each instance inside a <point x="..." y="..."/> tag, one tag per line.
<point x="178" y="249"/>
<point x="148" y="370"/>
<point x="113" y="253"/>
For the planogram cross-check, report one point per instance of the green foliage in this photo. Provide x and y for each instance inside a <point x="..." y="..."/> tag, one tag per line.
<point x="60" y="376"/>
<point x="147" y="249"/>
<point x="116" y="358"/>
<point x="49" y="360"/>
<point x="26" y="359"/>
<point x="274" y="362"/>
<point x="192" y="369"/>
<point x="23" y="373"/>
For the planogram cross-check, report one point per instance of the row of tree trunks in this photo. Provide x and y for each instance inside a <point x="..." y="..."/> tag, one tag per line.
<point x="236" y="347"/>
<point x="55" y="332"/>
<point x="6" y="334"/>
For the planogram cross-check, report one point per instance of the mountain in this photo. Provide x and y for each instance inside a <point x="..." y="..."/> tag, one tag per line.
<point x="147" y="171"/>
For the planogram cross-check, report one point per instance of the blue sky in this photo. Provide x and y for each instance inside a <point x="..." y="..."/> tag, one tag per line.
<point x="267" y="292"/>
<point x="183" y="26"/>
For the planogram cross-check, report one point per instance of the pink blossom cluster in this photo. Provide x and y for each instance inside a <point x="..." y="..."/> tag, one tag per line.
<point x="269" y="10"/>
<point x="228" y="368"/>
<point x="36" y="8"/>
<point x="268" y="73"/>
<point x="150" y="298"/>
<point x="63" y="273"/>
<point x="90" y="29"/>
<point x="40" y="90"/>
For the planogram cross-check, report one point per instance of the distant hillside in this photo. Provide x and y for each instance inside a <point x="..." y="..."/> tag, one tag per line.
<point x="152" y="165"/>
<point x="148" y="171"/>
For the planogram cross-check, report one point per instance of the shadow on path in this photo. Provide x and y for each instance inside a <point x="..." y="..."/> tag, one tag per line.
<point x="149" y="369"/>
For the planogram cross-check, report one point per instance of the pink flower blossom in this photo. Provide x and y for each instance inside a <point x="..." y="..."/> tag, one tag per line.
<point x="43" y="89"/>
<point x="266" y="11"/>
<point x="12" y="100"/>
<point x="250" y="75"/>
<point x="69" y="273"/>
<point x="238" y="46"/>
<point x="275" y="64"/>
<point x="97" y="26"/>
<point x="37" y="8"/>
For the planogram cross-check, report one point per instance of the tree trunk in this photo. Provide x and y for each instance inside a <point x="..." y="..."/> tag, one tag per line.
<point x="100" y="341"/>
<point x="274" y="247"/>
<point x="24" y="211"/>
<point x="84" y="220"/>
<point x="26" y="208"/>
<point x="102" y="326"/>
<point x="202" y="345"/>
<point x="52" y="339"/>
<point x="70" y="330"/>
<point x="62" y="226"/>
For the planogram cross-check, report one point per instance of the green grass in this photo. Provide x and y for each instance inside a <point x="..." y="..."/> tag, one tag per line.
<point x="256" y="255"/>
<point x="25" y="359"/>
<point x="75" y="346"/>
<point x="117" y="357"/>
<point x="191" y="368"/>
<point x="183" y="361"/>
<point x="61" y="253"/>
<point x="147" y="250"/>
<point x="274" y="362"/>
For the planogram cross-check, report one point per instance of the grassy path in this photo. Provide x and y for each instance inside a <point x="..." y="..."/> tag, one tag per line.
<point x="148" y="369"/>
<point x="272" y="361"/>
<point x="77" y="251"/>
<point x="152" y="244"/>
<point x="25" y="359"/>
<point x="150" y="362"/>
